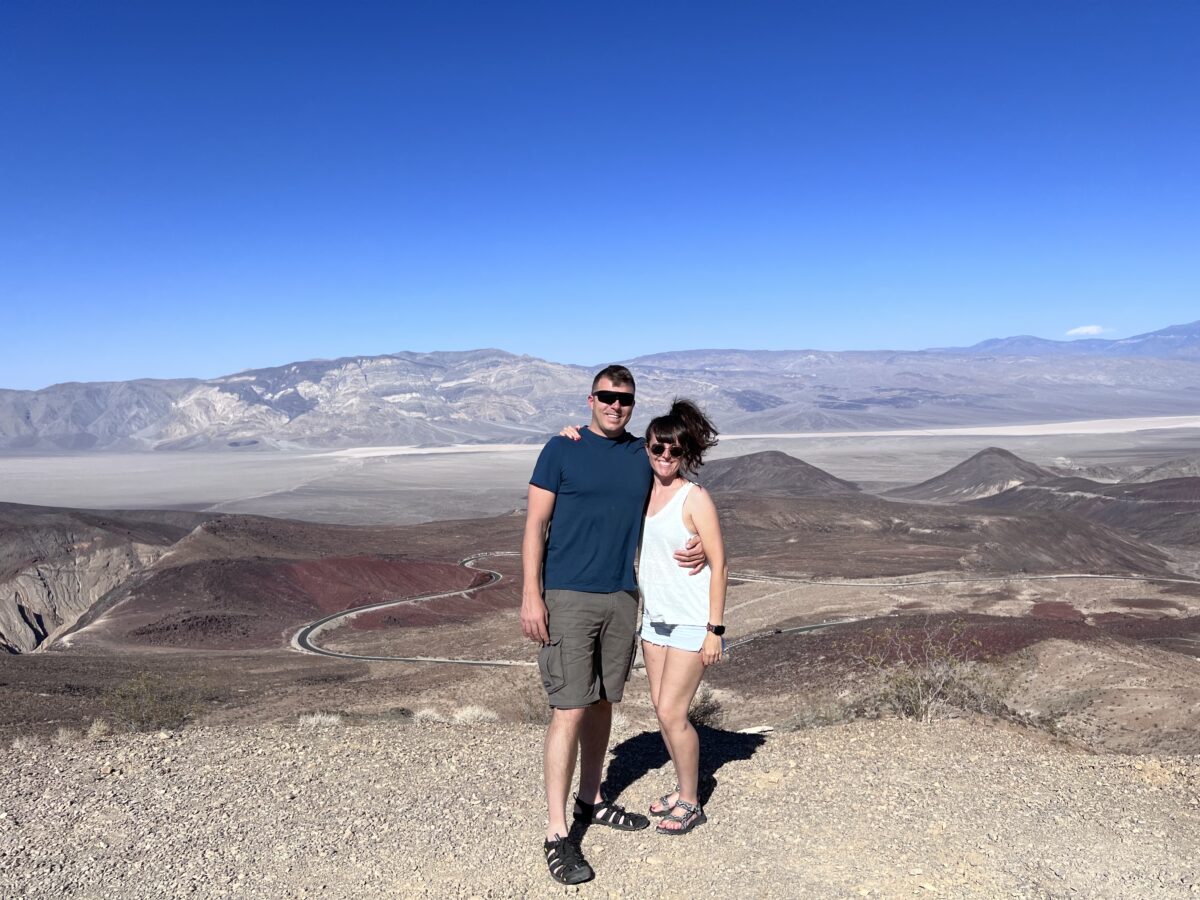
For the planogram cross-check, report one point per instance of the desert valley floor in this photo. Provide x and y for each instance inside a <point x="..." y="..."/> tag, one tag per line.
<point x="1063" y="590"/>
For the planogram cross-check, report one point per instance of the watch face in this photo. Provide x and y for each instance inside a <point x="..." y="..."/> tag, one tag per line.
<point x="718" y="630"/>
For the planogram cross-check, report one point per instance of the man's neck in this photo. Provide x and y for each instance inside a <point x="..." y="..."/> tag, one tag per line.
<point x="594" y="429"/>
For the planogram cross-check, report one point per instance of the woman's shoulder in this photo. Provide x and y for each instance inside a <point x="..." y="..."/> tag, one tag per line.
<point x="697" y="494"/>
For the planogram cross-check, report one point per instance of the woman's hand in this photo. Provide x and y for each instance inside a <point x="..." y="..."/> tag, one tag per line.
<point x="570" y="431"/>
<point x="711" y="651"/>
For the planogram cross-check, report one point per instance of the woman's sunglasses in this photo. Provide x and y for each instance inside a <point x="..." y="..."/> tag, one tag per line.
<point x="608" y="398"/>
<point x="673" y="450"/>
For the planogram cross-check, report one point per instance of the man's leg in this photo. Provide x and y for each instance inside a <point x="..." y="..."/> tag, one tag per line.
<point x="562" y="746"/>
<point x="593" y="747"/>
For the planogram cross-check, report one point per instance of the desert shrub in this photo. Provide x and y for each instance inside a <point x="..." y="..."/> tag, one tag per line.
<point x="428" y="714"/>
<point x="98" y="730"/>
<point x="25" y="742"/>
<point x="474" y="715"/>
<point x="921" y="671"/>
<point x="320" y="720"/>
<point x="706" y="708"/>
<point x="819" y="716"/>
<point x="147" y="702"/>
<point x="64" y="736"/>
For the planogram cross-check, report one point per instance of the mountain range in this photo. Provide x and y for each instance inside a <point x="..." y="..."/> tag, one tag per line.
<point x="487" y="396"/>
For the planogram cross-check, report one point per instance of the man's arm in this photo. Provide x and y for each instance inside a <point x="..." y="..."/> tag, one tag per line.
<point x="539" y="509"/>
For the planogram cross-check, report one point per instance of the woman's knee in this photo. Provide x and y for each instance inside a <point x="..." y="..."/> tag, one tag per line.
<point x="672" y="716"/>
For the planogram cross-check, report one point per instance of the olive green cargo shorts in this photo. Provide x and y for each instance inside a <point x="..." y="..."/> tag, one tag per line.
<point x="592" y="642"/>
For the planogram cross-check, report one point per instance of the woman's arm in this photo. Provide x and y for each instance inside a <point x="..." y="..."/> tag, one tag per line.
<point x="701" y="518"/>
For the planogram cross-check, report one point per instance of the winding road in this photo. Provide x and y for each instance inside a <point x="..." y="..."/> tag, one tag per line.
<point x="304" y="639"/>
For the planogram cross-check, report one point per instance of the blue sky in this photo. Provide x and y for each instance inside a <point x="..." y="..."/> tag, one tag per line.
<point x="195" y="188"/>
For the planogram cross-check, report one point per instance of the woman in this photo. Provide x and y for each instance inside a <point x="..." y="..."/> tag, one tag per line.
<point x="684" y="614"/>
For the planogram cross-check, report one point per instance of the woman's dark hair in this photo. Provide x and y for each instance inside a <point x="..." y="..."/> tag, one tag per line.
<point x="686" y="427"/>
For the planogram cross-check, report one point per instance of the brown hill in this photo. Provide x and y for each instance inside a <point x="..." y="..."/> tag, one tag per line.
<point x="245" y="582"/>
<point x="772" y="473"/>
<point x="867" y="537"/>
<point x="988" y="472"/>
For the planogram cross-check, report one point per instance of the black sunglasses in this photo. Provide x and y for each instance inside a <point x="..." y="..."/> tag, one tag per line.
<point x="674" y="450"/>
<point x="608" y="398"/>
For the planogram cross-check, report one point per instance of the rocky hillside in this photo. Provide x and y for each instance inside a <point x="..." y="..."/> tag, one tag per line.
<point x="878" y="809"/>
<point x="1164" y="512"/>
<point x="55" y="564"/>
<point x="1184" y="467"/>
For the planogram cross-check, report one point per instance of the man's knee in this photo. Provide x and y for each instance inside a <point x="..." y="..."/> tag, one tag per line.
<point x="570" y="717"/>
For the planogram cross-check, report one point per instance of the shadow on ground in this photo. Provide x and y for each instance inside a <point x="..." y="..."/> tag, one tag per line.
<point x="644" y="752"/>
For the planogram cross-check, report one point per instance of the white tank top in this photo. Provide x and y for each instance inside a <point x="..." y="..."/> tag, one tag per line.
<point x="672" y="595"/>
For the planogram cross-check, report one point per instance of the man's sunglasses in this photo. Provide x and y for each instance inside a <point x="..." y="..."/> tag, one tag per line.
<point x="673" y="450"/>
<point x="608" y="398"/>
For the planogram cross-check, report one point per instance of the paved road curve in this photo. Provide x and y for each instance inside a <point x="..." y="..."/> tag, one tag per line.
<point x="304" y="639"/>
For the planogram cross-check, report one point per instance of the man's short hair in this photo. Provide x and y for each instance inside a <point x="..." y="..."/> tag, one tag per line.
<point x="618" y="375"/>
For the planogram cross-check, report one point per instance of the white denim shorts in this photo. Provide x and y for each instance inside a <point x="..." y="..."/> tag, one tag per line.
<point x="681" y="637"/>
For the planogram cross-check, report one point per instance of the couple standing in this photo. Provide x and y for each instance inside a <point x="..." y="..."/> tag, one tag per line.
<point x="590" y="500"/>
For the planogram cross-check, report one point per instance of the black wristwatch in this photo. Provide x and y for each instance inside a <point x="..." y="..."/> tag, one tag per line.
<point x="718" y="630"/>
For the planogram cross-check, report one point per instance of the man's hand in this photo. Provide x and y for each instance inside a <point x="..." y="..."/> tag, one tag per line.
<point x="692" y="556"/>
<point x="533" y="619"/>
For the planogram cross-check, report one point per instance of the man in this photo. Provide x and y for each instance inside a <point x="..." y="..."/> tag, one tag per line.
<point x="579" y="603"/>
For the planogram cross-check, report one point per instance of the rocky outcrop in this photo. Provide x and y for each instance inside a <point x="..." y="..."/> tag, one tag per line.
<point x="56" y="563"/>
<point x="46" y="598"/>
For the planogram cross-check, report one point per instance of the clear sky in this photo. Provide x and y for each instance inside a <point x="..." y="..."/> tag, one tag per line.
<point x="194" y="188"/>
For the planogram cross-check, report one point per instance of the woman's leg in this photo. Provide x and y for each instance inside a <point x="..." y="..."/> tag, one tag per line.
<point x="655" y="657"/>
<point x="681" y="674"/>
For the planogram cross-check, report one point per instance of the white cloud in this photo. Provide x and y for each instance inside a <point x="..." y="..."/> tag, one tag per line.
<point x="1087" y="330"/>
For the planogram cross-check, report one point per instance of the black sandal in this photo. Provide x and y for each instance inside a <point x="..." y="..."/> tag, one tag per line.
<point x="566" y="862"/>
<point x="693" y="816"/>
<point x="608" y="813"/>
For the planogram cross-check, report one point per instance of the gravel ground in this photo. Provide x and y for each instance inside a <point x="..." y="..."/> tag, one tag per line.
<point x="881" y="809"/>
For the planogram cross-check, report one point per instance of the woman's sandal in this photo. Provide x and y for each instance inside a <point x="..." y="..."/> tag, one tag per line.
<point x="693" y="816"/>
<point x="608" y="813"/>
<point x="663" y="802"/>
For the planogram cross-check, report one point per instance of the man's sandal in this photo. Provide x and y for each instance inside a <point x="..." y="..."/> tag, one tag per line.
<point x="608" y="813"/>
<point x="566" y="862"/>
<point x="664" y="806"/>
<point x="693" y="816"/>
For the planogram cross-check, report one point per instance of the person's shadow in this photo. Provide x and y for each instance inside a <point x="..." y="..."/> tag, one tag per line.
<point x="634" y="757"/>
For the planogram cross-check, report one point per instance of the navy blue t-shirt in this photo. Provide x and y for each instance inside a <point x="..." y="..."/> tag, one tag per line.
<point x="601" y="486"/>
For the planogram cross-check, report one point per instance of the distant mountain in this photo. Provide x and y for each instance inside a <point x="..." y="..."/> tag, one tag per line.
<point x="1175" y="342"/>
<point x="773" y="474"/>
<point x="988" y="472"/>
<point x="489" y="396"/>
